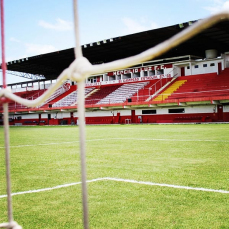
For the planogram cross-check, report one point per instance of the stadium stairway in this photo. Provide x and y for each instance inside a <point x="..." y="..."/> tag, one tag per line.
<point x="123" y="93"/>
<point x="71" y="98"/>
<point x="169" y="90"/>
<point x="150" y="89"/>
<point x="88" y="92"/>
<point x="143" y="93"/>
<point x="58" y="98"/>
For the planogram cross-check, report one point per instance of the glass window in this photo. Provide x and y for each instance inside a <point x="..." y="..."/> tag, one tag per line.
<point x="178" y="110"/>
<point x="149" y="111"/>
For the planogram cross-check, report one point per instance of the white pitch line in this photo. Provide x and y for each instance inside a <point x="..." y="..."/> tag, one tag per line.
<point x="119" y="180"/>
<point x="108" y="139"/>
<point x="167" y="185"/>
<point x="51" y="143"/>
<point x="49" y="189"/>
<point x="164" y="139"/>
<point x="41" y="144"/>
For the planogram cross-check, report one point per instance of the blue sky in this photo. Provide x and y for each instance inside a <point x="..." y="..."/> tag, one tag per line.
<point x="34" y="27"/>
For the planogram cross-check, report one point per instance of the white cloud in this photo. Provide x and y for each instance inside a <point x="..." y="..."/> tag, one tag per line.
<point x="217" y="5"/>
<point x="59" y="25"/>
<point x="226" y="5"/>
<point x="133" y="26"/>
<point x="36" y="49"/>
<point x="13" y="39"/>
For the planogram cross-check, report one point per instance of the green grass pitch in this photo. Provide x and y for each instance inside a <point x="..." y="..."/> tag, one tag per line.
<point x="182" y="155"/>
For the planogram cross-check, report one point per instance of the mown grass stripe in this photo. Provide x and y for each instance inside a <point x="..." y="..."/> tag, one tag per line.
<point x="131" y="139"/>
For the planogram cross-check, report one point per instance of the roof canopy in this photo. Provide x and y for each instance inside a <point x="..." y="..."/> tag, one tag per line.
<point x="52" y="64"/>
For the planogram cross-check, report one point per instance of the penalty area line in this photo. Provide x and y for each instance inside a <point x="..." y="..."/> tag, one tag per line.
<point x="167" y="185"/>
<point x="119" y="180"/>
<point x="49" y="189"/>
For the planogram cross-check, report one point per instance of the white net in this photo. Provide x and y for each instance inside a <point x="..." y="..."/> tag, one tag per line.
<point x="78" y="71"/>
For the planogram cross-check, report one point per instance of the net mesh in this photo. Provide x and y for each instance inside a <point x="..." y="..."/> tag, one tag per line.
<point x="78" y="71"/>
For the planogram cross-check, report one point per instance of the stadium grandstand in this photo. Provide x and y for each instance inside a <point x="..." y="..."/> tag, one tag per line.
<point x="188" y="84"/>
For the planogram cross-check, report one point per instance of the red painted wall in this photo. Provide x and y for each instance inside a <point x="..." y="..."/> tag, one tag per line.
<point x="156" y="118"/>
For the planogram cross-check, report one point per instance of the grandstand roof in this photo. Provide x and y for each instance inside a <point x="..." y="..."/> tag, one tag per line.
<point x="50" y="65"/>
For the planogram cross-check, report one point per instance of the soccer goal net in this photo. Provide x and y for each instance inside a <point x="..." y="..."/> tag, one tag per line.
<point x="79" y="70"/>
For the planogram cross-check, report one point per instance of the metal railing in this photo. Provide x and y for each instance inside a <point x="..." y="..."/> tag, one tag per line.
<point x="160" y="83"/>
